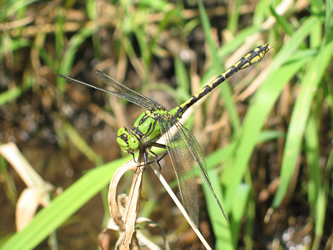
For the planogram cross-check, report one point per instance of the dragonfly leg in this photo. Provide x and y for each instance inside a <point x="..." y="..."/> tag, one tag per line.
<point x="147" y="151"/>
<point x="145" y="158"/>
<point x="133" y="157"/>
<point x="157" y="159"/>
<point x="157" y="145"/>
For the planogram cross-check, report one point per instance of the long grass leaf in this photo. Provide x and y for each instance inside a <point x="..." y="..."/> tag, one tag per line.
<point x="68" y="58"/>
<point x="15" y="92"/>
<point x="300" y="116"/>
<point x="225" y="88"/>
<point x="238" y="210"/>
<point x="62" y="207"/>
<point x="254" y="120"/>
<point x="263" y="102"/>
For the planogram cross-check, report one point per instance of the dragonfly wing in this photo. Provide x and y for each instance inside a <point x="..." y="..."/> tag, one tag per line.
<point x="185" y="153"/>
<point x="121" y="91"/>
<point x="196" y="152"/>
<point x="129" y="94"/>
<point x="182" y="162"/>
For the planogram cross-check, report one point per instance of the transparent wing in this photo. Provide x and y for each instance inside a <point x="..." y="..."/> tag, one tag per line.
<point x="121" y="91"/>
<point x="129" y="94"/>
<point x="185" y="153"/>
<point x="182" y="162"/>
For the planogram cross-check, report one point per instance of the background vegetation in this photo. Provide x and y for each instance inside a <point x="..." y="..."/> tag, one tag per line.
<point x="267" y="133"/>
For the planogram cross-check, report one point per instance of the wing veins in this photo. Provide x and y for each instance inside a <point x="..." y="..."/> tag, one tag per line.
<point x="129" y="94"/>
<point x="121" y="91"/>
<point x="182" y="165"/>
<point x="192" y="151"/>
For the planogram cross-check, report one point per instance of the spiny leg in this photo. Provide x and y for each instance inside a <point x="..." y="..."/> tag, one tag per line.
<point x="147" y="151"/>
<point x="133" y="157"/>
<point x="143" y="155"/>
<point x="157" y="160"/>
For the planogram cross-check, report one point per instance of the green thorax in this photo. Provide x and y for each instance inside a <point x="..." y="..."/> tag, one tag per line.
<point x="146" y="130"/>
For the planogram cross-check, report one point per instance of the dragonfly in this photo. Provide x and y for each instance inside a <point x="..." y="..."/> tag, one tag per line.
<point x="181" y="145"/>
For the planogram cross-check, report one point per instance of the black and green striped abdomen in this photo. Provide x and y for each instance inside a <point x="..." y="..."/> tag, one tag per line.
<point x="250" y="58"/>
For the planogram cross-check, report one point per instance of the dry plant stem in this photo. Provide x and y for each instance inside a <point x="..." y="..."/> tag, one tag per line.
<point x="132" y="208"/>
<point x="12" y="154"/>
<point x="37" y="191"/>
<point x="148" y="243"/>
<point x="126" y="217"/>
<point x="113" y="206"/>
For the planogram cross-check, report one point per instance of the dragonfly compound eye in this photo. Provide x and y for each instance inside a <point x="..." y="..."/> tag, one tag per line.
<point x="122" y="139"/>
<point x="133" y="142"/>
<point x="122" y="131"/>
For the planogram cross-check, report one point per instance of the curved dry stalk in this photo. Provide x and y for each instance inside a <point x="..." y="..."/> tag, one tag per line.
<point x="37" y="192"/>
<point x="124" y="211"/>
<point x="114" y="209"/>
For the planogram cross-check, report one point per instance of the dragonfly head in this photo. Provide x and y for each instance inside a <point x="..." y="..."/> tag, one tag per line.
<point x="127" y="141"/>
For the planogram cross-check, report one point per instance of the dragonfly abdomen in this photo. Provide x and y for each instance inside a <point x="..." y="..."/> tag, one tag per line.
<point x="250" y="58"/>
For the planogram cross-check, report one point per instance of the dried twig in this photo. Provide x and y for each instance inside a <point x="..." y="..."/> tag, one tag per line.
<point x="125" y="211"/>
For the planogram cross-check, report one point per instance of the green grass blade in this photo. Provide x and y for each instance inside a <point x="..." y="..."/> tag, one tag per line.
<point x="69" y="56"/>
<point x="81" y="145"/>
<point x="9" y="45"/>
<point x="316" y="191"/>
<point x="220" y="225"/>
<point x="238" y="210"/>
<point x="91" y="9"/>
<point x="158" y="5"/>
<point x="299" y="118"/>
<point x="254" y="120"/>
<point x="312" y="158"/>
<point x="15" y="92"/>
<point x="321" y="207"/>
<point x="263" y="102"/>
<point x="296" y="40"/>
<point x="62" y="207"/>
<point x="260" y="13"/>
<point x="233" y="16"/>
<point x="321" y="203"/>
<point x="181" y="75"/>
<point x="59" y="35"/>
<point x="282" y="22"/>
<point x="224" y="88"/>
<point x="10" y="8"/>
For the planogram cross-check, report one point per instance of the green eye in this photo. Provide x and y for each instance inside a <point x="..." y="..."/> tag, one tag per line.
<point x="122" y="139"/>
<point x="133" y="142"/>
<point x="122" y="143"/>
<point x="122" y="131"/>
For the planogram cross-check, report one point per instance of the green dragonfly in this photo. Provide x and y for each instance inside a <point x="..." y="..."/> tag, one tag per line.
<point x="157" y="121"/>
